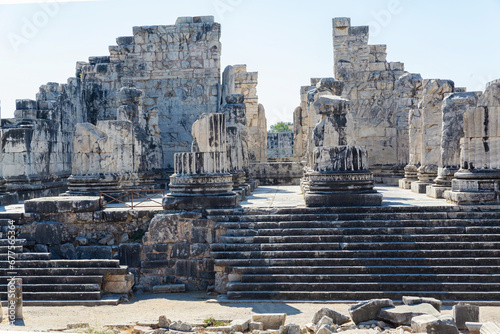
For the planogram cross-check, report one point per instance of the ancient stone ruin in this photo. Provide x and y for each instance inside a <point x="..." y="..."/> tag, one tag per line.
<point x="157" y="114"/>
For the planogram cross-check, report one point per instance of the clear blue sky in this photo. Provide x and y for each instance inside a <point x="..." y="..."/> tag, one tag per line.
<point x="286" y="41"/>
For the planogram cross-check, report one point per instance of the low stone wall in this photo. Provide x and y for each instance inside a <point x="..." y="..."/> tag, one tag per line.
<point x="277" y="173"/>
<point x="158" y="247"/>
<point x="280" y="145"/>
<point x="176" y="249"/>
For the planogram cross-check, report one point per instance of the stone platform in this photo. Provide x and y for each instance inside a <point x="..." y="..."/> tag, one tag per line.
<point x="291" y="196"/>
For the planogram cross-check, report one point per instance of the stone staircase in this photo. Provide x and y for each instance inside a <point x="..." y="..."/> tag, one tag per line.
<point x="449" y="253"/>
<point x="53" y="282"/>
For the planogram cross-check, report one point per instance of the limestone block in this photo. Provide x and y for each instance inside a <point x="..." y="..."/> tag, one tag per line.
<point x="490" y="328"/>
<point x="336" y="317"/>
<point x="120" y="284"/>
<point x="402" y="314"/>
<point x="270" y="320"/>
<point x="289" y="329"/>
<point x="410" y="300"/>
<point x="255" y="326"/>
<point x="240" y="325"/>
<point x="463" y="313"/>
<point x="94" y="252"/>
<point x="63" y="204"/>
<point x="163" y="322"/>
<point x="433" y="324"/>
<point x="368" y="310"/>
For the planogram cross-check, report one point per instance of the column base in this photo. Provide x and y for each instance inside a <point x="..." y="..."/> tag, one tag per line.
<point x="420" y="187"/>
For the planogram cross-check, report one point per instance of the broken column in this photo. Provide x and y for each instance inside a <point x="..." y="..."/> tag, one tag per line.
<point x="478" y="180"/>
<point x="236" y="141"/>
<point x="454" y="107"/>
<point x="201" y="178"/>
<point x="338" y="173"/>
<point x="433" y="94"/>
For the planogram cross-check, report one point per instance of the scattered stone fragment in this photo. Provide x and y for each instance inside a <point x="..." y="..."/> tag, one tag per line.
<point x="337" y="318"/>
<point x="402" y="314"/>
<point x="240" y="325"/>
<point x="410" y="300"/>
<point x="463" y="313"/>
<point x="270" y="320"/>
<point x="289" y="329"/>
<point x="325" y="329"/>
<point x="180" y="326"/>
<point x="474" y="327"/>
<point x="163" y="322"/>
<point x="433" y="325"/>
<point x="326" y="320"/>
<point x="490" y="328"/>
<point x="368" y="310"/>
<point x="255" y="325"/>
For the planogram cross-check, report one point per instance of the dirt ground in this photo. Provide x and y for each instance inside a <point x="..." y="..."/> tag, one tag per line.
<point x="189" y="307"/>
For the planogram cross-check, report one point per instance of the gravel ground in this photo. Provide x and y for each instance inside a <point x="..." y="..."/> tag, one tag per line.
<point x="189" y="307"/>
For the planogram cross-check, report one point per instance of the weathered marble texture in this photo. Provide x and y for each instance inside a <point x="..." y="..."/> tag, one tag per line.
<point x="478" y="180"/>
<point x="381" y="94"/>
<point x="236" y="80"/>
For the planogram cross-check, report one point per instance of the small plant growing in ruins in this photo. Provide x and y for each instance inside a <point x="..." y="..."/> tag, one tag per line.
<point x="211" y="322"/>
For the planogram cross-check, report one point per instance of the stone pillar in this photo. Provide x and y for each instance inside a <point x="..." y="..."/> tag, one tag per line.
<point x="337" y="173"/>
<point x="201" y="178"/>
<point x="433" y="94"/>
<point x="454" y="107"/>
<point x="236" y="141"/>
<point x="478" y="180"/>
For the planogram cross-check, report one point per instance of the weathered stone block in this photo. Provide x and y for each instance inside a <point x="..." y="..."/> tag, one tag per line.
<point x="402" y="314"/>
<point x="270" y="320"/>
<point x="129" y="254"/>
<point x="94" y="252"/>
<point x="336" y="317"/>
<point x="169" y="288"/>
<point x="433" y="325"/>
<point x="62" y="204"/>
<point x="463" y="313"/>
<point x="120" y="284"/>
<point x="48" y="233"/>
<point x="410" y="300"/>
<point x="368" y="310"/>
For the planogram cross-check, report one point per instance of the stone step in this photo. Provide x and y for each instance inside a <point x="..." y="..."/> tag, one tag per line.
<point x="356" y="255"/>
<point x="371" y="269"/>
<point x="382" y="261"/>
<point x="368" y="209"/>
<point x="387" y="216"/>
<point x="16" y="249"/>
<point x="20" y="272"/>
<point x="363" y="238"/>
<point x="99" y="263"/>
<point x="107" y="300"/>
<point x="357" y="223"/>
<point x="81" y="287"/>
<point x="360" y="231"/>
<point x="57" y="295"/>
<point x="31" y="279"/>
<point x="220" y="247"/>
<point x="26" y="256"/>
<point x="16" y="242"/>
<point x="382" y="278"/>
<point x="16" y="216"/>
<point x="364" y="286"/>
<point x="361" y="295"/>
